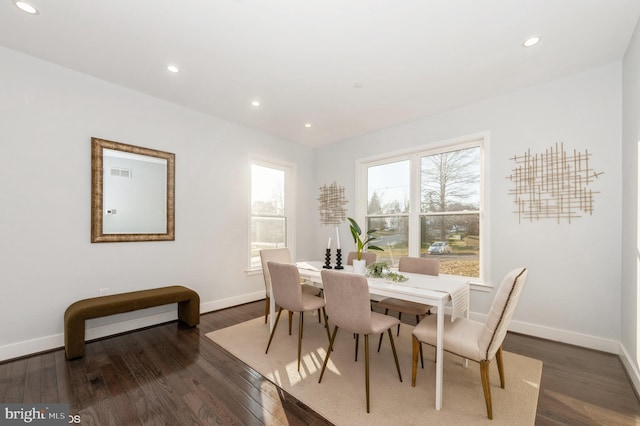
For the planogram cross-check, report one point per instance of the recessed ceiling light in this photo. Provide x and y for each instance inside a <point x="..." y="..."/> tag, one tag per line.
<point x="173" y="68"/>
<point x="531" y="41"/>
<point x="307" y="125"/>
<point x="255" y="103"/>
<point x="26" y="7"/>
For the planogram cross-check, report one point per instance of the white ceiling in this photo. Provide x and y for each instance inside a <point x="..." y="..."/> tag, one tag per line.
<point x="348" y="67"/>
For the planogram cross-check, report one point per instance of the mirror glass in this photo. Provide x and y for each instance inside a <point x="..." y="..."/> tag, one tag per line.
<point x="132" y="193"/>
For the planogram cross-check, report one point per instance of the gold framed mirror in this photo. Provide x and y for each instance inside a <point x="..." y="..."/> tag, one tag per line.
<point x="132" y="193"/>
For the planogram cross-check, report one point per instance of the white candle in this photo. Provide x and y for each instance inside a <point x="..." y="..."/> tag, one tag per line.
<point x="337" y="239"/>
<point x="329" y="243"/>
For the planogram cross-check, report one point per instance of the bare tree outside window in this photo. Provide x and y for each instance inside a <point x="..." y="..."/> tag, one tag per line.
<point x="451" y="181"/>
<point x="427" y="203"/>
<point x="450" y="203"/>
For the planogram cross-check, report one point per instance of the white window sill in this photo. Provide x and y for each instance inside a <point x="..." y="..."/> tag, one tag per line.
<point x="251" y="272"/>
<point x="480" y="286"/>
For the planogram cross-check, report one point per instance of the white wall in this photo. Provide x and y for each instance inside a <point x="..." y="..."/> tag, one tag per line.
<point x="630" y="246"/>
<point x="48" y="115"/>
<point x="573" y="290"/>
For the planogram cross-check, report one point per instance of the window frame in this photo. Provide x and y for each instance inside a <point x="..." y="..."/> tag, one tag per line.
<point x="414" y="155"/>
<point x="290" y="173"/>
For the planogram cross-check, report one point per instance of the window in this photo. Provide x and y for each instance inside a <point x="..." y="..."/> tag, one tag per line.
<point x="427" y="203"/>
<point x="270" y="198"/>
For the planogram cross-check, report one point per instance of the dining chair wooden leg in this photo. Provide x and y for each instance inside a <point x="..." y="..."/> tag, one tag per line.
<point x="266" y="309"/>
<point x="290" y="317"/>
<point x="319" y="319"/>
<point x="274" y="330"/>
<point x="326" y="323"/>
<point x="486" y="386"/>
<point x="366" y="367"/>
<point x="415" y="348"/>
<point x="300" y="328"/>
<point x="357" y="344"/>
<point x="421" y="357"/>
<point x="400" y="318"/>
<point x="500" y="366"/>
<point x="380" y="341"/>
<point x="326" y="357"/>
<point x="395" y="354"/>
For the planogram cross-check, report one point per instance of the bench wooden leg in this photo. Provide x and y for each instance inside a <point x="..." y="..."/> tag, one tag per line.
<point x="189" y="312"/>
<point x="74" y="340"/>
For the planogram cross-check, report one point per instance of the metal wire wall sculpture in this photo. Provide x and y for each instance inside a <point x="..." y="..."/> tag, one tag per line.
<point x="332" y="202"/>
<point x="553" y="185"/>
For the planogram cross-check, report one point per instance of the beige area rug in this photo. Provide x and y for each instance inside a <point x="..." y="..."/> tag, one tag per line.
<point x="340" y="398"/>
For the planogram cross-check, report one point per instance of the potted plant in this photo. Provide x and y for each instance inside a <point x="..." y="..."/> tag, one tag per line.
<point x="359" y="265"/>
<point x="382" y="270"/>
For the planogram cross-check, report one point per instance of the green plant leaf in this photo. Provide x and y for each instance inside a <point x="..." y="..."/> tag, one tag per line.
<point x="354" y="226"/>
<point x="360" y="244"/>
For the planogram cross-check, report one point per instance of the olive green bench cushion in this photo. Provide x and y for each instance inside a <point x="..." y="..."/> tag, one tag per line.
<point x="74" y="317"/>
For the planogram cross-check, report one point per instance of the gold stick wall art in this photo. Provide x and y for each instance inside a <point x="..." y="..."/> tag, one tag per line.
<point x="332" y="212"/>
<point x="332" y="202"/>
<point x="553" y="185"/>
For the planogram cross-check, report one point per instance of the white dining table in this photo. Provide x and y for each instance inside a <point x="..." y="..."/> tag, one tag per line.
<point x="428" y="289"/>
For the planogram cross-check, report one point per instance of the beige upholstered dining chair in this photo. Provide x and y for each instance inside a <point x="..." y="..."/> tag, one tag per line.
<point x="416" y="265"/>
<point x="368" y="256"/>
<point x="282" y="255"/>
<point x="477" y="341"/>
<point x="287" y="294"/>
<point x="348" y="307"/>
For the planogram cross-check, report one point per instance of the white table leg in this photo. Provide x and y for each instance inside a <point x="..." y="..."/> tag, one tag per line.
<point x="439" y="354"/>
<point x="466" y="361"/>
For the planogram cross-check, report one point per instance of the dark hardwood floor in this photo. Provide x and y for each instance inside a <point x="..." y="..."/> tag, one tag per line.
<point x="172" y="375"/>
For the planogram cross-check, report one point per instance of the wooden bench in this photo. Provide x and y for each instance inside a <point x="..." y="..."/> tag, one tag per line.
<point x="74" y="317"/>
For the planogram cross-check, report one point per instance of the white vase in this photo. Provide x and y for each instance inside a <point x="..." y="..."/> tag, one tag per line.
<point x="360" y="266"/>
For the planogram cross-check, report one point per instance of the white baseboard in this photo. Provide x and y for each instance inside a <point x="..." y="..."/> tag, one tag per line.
<point x="28" y="347"/>
<point x="559" y="335"/>
<point x="632" y="368"/>
<point x="565" y="336"/>
<point x="56" y="341"/>
<point x="231" y="301"/>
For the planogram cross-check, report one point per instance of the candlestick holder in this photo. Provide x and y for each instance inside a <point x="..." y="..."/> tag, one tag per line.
<point x="339" y="259"/>
<point x="327" y="259"/>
